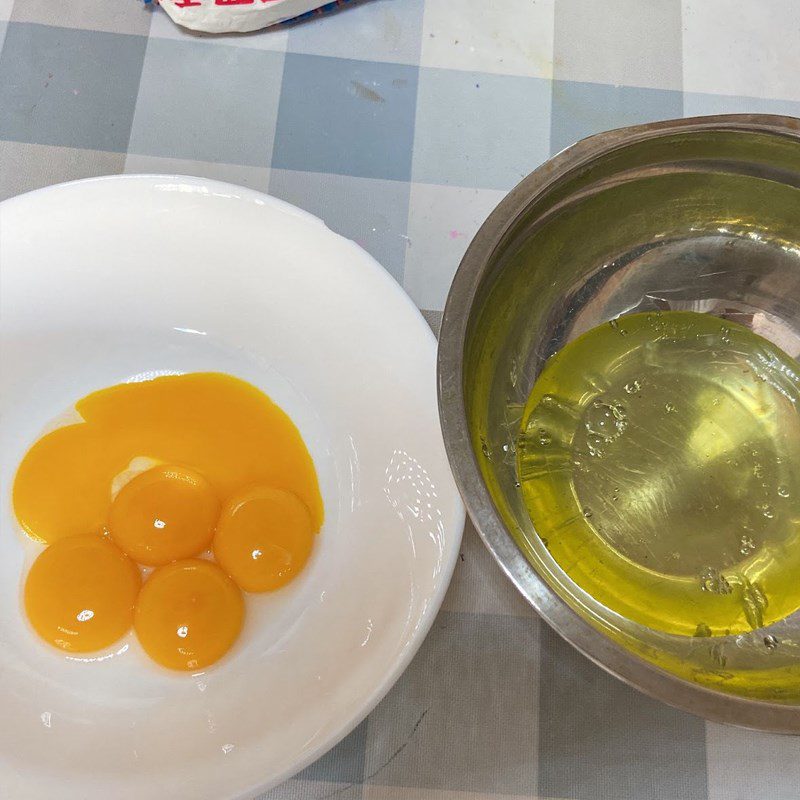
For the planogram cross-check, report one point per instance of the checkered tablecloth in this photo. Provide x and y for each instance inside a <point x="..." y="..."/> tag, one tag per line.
<point x="402" y="123"/>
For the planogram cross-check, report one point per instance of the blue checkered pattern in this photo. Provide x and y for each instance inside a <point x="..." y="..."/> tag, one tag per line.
<point x="402" y="123"/>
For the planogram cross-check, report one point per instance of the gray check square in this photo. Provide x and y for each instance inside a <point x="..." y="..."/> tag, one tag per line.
<point x="594" y="42"/>
<point x="131" y="16"/>
<point x="581" y="109"/>
<point x="207" y="102"/>
<point x="479" y="130"/>
<point x="696" y="104"/>
<point x="600" y="738"/>
<point x="464" y="714"/>
<point x="45" y="165"/>
<point x="344" y="763"/>
<point x="74" y="88"/>
<point x="346" y="117"/>
<point x="296" y="789"/>
<point x="378" y="30"/>
<point x="373" y="213"/>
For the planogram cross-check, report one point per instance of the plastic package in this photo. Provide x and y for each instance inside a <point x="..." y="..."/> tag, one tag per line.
<point x="240" y="16"/>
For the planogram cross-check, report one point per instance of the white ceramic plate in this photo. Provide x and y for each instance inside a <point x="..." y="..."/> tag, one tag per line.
<point x="107" y="279"/>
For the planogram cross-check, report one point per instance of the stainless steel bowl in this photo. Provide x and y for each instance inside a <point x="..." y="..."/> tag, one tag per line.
<point x="700" y="214"/>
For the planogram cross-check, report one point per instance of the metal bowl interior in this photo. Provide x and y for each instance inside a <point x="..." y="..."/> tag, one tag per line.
<point x="697" y="214"/>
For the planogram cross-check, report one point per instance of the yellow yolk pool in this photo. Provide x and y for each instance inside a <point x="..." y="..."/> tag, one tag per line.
<point x="222" y="427"/>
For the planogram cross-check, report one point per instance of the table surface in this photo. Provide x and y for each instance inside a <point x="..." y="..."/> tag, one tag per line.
<point x="402" y="123"/>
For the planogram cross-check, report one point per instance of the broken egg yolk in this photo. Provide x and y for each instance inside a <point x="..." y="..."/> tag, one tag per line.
<point x="188" y="615"/>
<point x="80" y="593"/>
<point x="222" y="427"/>
<point x="264" y="538"/>
<point x="163" y="514"/>
<point x="220" y="457"/>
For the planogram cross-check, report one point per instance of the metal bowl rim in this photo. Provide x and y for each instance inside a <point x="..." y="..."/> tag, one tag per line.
<point x="713" y="705"/>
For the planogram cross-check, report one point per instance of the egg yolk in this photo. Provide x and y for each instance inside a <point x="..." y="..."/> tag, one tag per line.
<point x="80" y="593"/>
<point x="212" y="436"/>
<point x="223" y="427"/>
<point x="188" y="614"/>
<point x="264" y="538"/>
<point x="163" y="514"/>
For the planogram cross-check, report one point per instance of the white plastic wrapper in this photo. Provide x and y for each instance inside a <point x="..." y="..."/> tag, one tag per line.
<point x="239" y="16"/>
